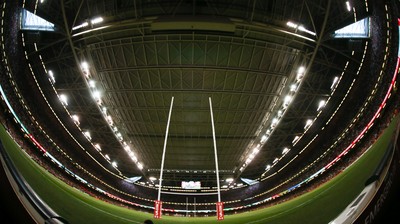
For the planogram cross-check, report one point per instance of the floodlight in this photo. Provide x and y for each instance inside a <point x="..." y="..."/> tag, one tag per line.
<point x="75" y="118"/>
<point x="85" y="65"/>
<point x="321" y="104"/>
<point x="96" y="20"/>
<point x="285" y="150"/>
<point x="92" y="83"/>
<point x="348" y="6"/>
<point x="107" y="157"/>
<point x="114" y="164"/>
<point x="229" y="180"/>
<point x="63" y="99"/>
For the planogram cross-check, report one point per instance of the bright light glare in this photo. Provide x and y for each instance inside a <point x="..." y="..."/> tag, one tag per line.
<point x="308" y="123"/>
<point x="321" y="104"/>
<point x="97" y="146"/>
<point x="63" y="99"/>
<point x="107" y="157"/>
<point x="92" y="83"/>
<point x="293" y="88"/>
<point x="348" y="6"/>
<point x="287" y="99"/>
<point x="51" y="74"/>
<point x="96" y="94"/>
<point x="114" y="164"/>
<point x="229" y="180"/>
<point x="96" y="20"/>
<point x="85" y="24"/>
<point x="299" y="27"/>
<point x="285" y="150"/>
<point x="302" y="69"/>
<point x="87" y="134"/>
<point x="85" y="65"/>
<point x="295" y="139"/>
<point x="109" y="120"/>
<point x="248" y="160"/>
<point x="264" y="139"/>
<point x="291" y="24"/>
<point x="256" y="150"/>
<point x="300" y="73"/>
<point x="152" y="178"/>
<point x="335" y="81"/>
<point x="140" y="166"/>
<point x="75" y="118"/>
<point x="268" y="167"/>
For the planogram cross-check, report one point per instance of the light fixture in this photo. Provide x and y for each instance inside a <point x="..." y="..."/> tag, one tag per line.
<point x="97" y="146"/>
<point x="295" y="138"/>
<point x="87" y="135"/>
<point x="293" y="87"/>
<point x="291" y="24"/>
<point x="285" y="150"/>
<point x="82" y="25"/>
<point x="63" y="99"/>
<point x="321" y="104"/>
<point x="75" y="118"/>
<point x="92" y="83"/>
<point x="348" y="6"/>
<point x="229" y="180"/>
<point x="96" y="20"/>
<point x="263" y="139"/>
<point x="107" y="157"/>
<point x="85" y="65"/>
<point x="308" y="123"/>
<point x="51" y="75"/>
<point x="287" y="100"/>
<point x="256" y="150"/>
<point x="96" y="94"/>
<point x="114" y="164"/>
<point x="248" y="160"/>
<point x="334" y="82"/>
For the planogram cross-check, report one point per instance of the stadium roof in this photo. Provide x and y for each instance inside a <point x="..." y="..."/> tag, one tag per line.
<point x="266" y="65"/>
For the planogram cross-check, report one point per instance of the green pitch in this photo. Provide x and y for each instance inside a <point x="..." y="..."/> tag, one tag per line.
<point x="319" y="206"/>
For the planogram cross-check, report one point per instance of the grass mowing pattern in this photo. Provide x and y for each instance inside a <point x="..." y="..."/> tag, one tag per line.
<point x="318" y="206"/>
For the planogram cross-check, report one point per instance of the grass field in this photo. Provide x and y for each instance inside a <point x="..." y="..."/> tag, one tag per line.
<point x="318" y="206"/>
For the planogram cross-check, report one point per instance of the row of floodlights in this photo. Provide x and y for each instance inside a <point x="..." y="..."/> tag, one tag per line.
<point x="97" y="96"/>
<point x="286" y="101"/>
<point x="308" y="124"/>
<point x="75" y="118"/>
<point x="275" y="121"/>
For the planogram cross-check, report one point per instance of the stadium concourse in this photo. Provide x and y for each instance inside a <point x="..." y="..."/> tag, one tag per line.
<point x="193" y="103"/>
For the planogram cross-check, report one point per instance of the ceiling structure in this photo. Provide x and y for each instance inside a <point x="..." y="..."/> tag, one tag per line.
<point x="240" y="54"/>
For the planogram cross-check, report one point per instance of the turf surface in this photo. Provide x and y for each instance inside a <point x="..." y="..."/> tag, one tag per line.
<point x="318" y="206"/>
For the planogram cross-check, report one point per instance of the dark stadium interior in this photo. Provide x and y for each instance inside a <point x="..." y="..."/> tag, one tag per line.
<point x="279" y="116"/>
